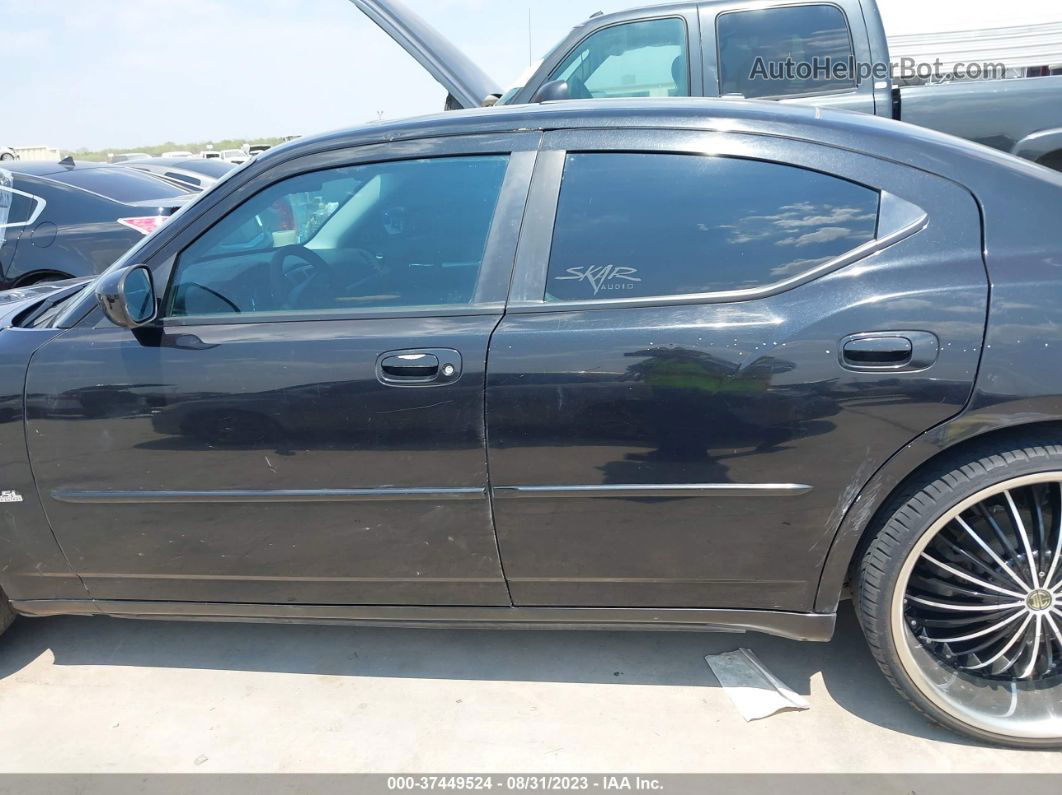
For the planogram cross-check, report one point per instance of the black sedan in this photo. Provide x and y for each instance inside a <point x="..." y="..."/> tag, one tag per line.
<point x="678" y="364"/>
<point x="191" y="173"/>
<point x="69" y="219"/>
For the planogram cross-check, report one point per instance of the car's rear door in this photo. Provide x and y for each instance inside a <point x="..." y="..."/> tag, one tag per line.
<point x="711" y="343"/>
<point x="307" y="423"/>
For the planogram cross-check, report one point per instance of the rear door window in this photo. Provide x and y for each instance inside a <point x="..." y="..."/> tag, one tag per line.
<point x="649" y="58"/>
<point x="634" y="225"/>
<point x="782" y="52"/>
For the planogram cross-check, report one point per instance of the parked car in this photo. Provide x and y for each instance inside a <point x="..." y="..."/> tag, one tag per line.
<point x="177" y="154"/>
<point x="210" y="155"/>
<point x="7" y="153"/>
<point x="126" y="156"/>
<point x="59" y="220"/>
<point x="193" y="173"/>
<point x="722" y="358"/>
<point x="711" y="49"/>
<point x="237" y="156"/>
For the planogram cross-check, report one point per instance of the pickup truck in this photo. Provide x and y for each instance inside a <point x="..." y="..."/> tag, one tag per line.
<point x="741" y="48"/>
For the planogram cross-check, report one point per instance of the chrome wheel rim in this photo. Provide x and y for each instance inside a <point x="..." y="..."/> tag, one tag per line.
<point x="977" y="611"/>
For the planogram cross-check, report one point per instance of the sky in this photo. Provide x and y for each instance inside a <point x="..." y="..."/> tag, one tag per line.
<point x="127" y="73"/>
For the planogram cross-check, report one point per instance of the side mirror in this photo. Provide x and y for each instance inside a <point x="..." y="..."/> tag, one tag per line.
<point x="552" y="91"/>
<point x="127" y="296"/>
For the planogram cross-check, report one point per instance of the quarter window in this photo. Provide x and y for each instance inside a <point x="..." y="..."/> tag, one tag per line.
<point x="646" y="225"/>
<point x="398" y="234"/>
<point x="17" y="208"/>
<point x="781" y="52"/>
<point x="636" y="59"/>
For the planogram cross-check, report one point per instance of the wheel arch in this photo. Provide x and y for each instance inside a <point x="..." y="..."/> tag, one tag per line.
<point x="1040" y="146"/>
<point x="1052" y="160"/>
<point x="909" y="466"/>
<point x="37" y="276"/>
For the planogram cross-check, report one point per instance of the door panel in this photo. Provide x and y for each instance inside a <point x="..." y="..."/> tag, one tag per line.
<point x="266" y="463"/>
<point x="306" y="425"/>
<point x="699" y="451"/>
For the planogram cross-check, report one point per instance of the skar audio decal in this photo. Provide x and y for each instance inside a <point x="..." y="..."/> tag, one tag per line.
<point x="603" y="277"/>
<point x="10" y="496"/>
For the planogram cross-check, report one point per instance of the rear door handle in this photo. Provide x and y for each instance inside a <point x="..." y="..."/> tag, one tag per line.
<point x="418" y="367"/>
<point x="894" y="351"/>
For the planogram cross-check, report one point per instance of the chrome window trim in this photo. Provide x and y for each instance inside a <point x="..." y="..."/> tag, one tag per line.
<point x="323" y="315"/>
<point x="39" y="205"/>
<point x="730" y="296"/>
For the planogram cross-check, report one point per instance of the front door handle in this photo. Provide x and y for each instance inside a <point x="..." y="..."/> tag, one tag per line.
<point x="410" y="365"/>
<point x="889" y="351"/>
<point x="418" y="367"/>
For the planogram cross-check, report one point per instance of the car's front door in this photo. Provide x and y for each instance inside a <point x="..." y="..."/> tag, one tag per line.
<point x="713" y="340"/>
<point x="306" y="424"/>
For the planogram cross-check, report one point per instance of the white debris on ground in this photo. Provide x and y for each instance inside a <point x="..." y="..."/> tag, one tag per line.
<point x="755" y="691"/>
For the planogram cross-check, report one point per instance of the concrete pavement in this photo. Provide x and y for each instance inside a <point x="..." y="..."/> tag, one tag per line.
<point x="106" y="695"/>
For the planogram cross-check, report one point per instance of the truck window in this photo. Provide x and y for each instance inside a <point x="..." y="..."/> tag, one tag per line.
<point x="783" y="52"/>
<point x="633" y="225"/>
<point x="648" y="58"/>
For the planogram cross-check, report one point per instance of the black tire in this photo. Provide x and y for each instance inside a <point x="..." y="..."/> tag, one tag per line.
<point x="7" y="156"/>
<point x="939" y="679"/>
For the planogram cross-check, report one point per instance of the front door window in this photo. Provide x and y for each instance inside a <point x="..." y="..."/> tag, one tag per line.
<point x="407" y="233"/>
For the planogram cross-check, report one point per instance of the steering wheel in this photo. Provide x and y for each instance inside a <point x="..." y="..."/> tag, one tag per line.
<point x="312" y="282"/>
<point x="368" y="267"/>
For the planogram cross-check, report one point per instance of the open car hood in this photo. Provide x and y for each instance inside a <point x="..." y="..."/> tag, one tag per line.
<point x="467" y="83"/>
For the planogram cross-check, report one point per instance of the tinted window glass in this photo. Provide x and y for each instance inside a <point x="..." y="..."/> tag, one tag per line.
<point x="777" y="52"/>
<point x="633" y="225"/>
<point x="120" y="183"/>
<point x="401" y="234"/>
<point x="638" y="59"/>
